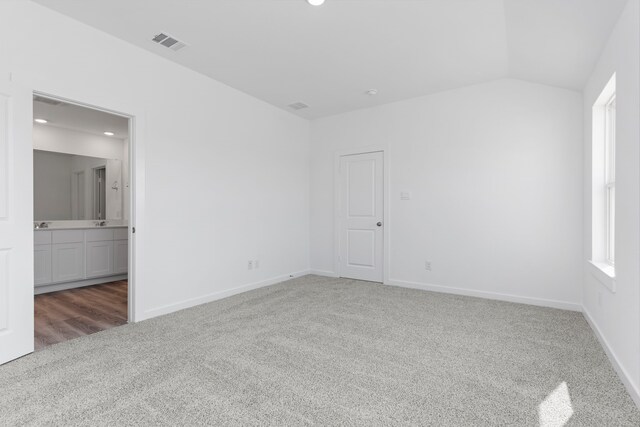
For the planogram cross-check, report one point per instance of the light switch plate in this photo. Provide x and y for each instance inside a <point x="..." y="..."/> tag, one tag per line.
<point x="405" y="195"/>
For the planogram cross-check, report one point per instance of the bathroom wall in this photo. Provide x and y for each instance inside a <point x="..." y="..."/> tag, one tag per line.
<point x="113" y="176"/>
<point x="56" y="188"/>
<point x="51" y="186"/>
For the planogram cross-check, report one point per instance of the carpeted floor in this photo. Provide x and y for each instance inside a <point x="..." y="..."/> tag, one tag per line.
<point x="326" y="351"/>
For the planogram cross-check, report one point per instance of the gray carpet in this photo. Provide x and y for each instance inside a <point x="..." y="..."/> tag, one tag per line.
<point x="326" y="351"/>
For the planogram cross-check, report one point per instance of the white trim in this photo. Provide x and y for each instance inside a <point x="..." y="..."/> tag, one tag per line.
<point x="541" y="302"/>
<point x="136" y="219"/>
<point x="386" y="205"/>
<point x="192" y="302"/>
<point x="79" y="284"/>
<point x="632" y="389"/>
<point x="604" y="274"/>
<point x="136" y="118"/>
<point x="324" y="273"/>
<point x="602" y="167"/>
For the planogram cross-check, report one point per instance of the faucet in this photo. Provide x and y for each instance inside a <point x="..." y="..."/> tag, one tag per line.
<point x="42" y="225"/>
<point x="100" y="223"/>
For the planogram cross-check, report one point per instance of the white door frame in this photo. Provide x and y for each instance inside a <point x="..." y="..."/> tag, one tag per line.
<point x="136" y="176"/>
<point x="386" y="211"/>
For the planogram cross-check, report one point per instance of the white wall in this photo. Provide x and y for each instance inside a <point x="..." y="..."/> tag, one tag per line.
<point x="616" y="316"/>
<point x="494" y="170"/>
<point x="226" y="175"/>
<point x="51" y="186"/>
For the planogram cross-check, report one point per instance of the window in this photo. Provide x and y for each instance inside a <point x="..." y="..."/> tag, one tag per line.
<point x="603" y="185"/>
<point x="610" y="178"/>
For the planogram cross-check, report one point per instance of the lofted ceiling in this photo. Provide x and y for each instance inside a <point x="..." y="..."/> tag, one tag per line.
<point x="286" y="51"/>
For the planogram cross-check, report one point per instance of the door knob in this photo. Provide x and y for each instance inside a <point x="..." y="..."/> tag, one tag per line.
<point x="379" y="224"/>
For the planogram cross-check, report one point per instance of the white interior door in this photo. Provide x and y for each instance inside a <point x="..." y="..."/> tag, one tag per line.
<point x="361" y="216"/>
<point x="16" y="221"/>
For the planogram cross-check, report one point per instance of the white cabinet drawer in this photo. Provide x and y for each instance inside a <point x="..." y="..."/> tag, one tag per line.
<point x="99" y="235"/>
<point x="41" y="237"/>
<point x="68" y="236"/>
<point x="120" y="234"/>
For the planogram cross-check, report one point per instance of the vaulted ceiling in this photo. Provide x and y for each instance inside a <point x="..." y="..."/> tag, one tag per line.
<point x="285" y="51"/>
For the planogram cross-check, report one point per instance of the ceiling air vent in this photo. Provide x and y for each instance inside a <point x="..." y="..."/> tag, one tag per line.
<point x="298" y="106"/>
<point x="168" y="41"/>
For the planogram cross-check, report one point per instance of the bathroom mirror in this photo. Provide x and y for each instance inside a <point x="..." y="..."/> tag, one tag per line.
<point x="74" y="187"/>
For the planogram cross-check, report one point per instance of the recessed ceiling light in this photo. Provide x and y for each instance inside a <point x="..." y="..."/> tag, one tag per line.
<point x="109" y="133"/>
<point x="372" y="92"/>
<point x="315" y="2"/>
<point x="43" y="121"/>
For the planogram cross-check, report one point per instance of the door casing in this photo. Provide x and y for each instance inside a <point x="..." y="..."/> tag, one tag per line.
<point x="24" y="89"/>
<point x="136" y="188"/>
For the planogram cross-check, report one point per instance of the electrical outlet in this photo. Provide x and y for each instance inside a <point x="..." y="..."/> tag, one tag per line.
<point x="256" y="263"/>
<point x="427" y="265"/>
<point x="250" y="265"/>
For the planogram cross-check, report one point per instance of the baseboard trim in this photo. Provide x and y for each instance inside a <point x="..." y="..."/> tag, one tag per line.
<point x="192" y="302"/>
<point x="624" y="376"/>
<point x="79" y="284"/>
<point x="325" y="273"/>
<point x="563" y="305"/>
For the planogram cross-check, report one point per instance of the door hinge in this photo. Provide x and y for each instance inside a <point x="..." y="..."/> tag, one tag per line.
<point x="133" y="230"/>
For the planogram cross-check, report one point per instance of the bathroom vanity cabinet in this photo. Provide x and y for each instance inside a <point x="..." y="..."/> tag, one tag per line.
<point x="70" y="258"/>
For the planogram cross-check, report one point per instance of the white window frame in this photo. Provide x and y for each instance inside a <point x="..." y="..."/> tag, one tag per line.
<point x="610" y="178"/>
<point x="603" y="187"/>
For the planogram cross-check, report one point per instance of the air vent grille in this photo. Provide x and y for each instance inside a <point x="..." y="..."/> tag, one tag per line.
<point x="298" y="106"/>
<point x="168" y="41"/>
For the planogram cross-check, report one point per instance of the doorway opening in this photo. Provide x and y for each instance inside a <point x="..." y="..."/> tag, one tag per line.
<point x="83" y="208"/>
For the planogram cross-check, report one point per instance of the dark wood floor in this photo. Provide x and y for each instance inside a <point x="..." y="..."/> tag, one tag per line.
<point x="64" y="315"/>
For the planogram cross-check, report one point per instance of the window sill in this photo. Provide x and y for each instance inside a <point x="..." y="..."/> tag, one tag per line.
<point x="605" y="274"/>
